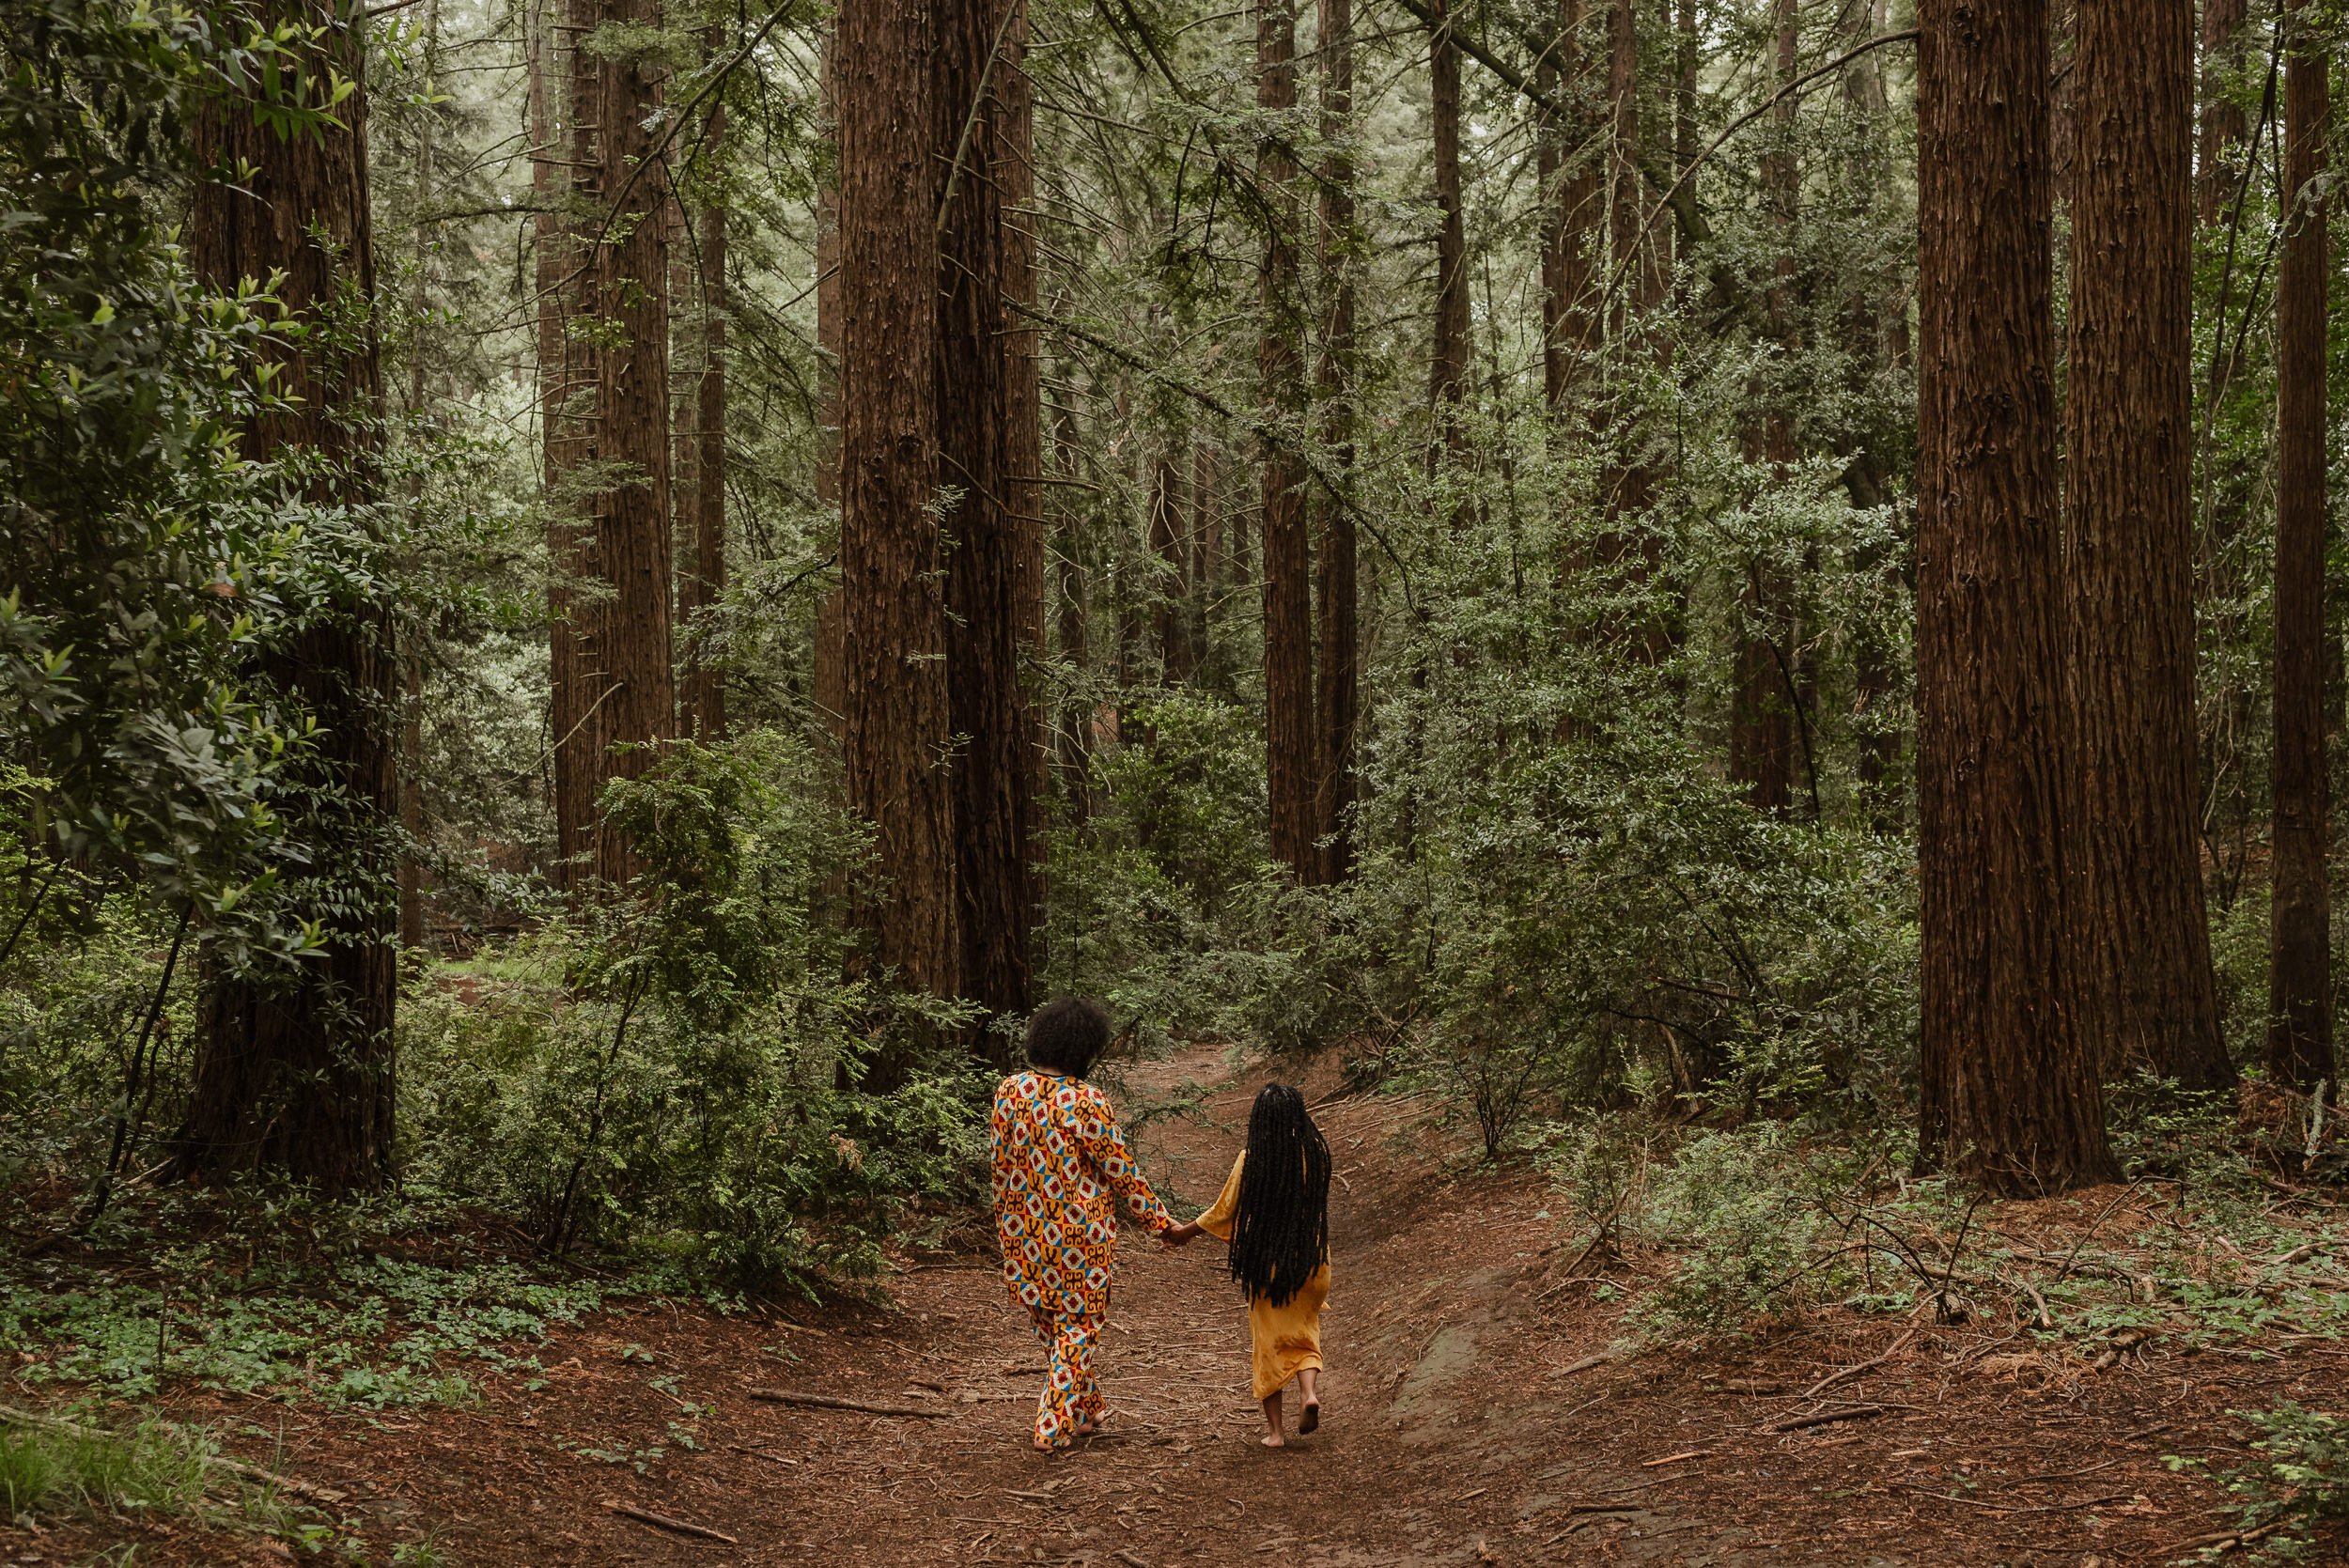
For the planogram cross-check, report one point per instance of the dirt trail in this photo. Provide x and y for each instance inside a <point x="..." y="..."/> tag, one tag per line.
<point x="1470" y="1418"/>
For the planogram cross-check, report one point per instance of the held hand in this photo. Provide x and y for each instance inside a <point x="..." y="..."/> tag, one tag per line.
<point x="1176" y="1236"/>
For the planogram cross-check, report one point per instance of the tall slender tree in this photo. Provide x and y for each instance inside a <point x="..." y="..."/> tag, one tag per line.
<point x="701" y="587"/>
<point x="893" y="627"/>
<point x="2217" y="166"/>
<point x="295" y="1074"/>
<point x="1023" y="417"/>
<point x="1448" y="359"/>
<point x="2009" y="1091"/>
<point x="1288" y="617"/>
<point x="2143" y="939"/>
<point x="985" y="609"/>
<point x="1570" y="208"/>
<point x="561" y="98"/>
<point x="2300" y="974"/>
<point x="1763" y="720"/>
<point x="1337" y="697"/>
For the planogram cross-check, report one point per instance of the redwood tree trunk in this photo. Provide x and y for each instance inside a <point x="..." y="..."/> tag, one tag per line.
<point x="2217" y="168"/>
<point x="626" y="656"/>
<point x="295" y="1074"/>
<point x="1024" y="426"/>
<point x="1337" y="696"/>
<point x="562" y="96"/>
<point x="2299" y="1006"/>
<point x="1288" y="630"/>
<point x="985" y="609"/>
<point x="894" y="698"/>
<point x="2147" y="996"/>
<point x="1570" y="193"/>
<point x="2010" y="1093"/>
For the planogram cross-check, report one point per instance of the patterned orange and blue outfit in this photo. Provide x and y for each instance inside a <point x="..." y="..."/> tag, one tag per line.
<point x="1060" y="1169"/>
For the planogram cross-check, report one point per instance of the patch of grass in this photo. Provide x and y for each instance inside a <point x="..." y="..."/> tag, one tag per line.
<point x="150" y="1467"/>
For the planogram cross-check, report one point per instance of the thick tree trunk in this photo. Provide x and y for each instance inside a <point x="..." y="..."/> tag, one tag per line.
<point x="705" y="702"/>
<point x="984" y="609"/>
<point x="1288" y="629"/>
<point x="296" y="1076"/>
<point x="562" y="96"/>
<point x="1337" y="698"/>
<point x="2219" y="169"/>
<point x="2141" y="939"/>
<point x="2010" y="1093"/>
<point x="894" y="694"/>
<point x="626" y="656"/>
<point x="2299" y="1006"/>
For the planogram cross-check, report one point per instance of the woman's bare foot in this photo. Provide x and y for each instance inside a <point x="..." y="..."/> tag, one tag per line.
<point x="1271" y="1438"/>
<point x="1310" y="1416"/>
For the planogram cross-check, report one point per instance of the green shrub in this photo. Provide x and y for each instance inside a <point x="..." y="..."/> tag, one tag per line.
<point x="676" y="1065"/>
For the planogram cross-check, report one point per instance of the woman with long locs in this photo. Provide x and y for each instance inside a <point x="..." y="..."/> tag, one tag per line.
<point x="1274" y="1210"/>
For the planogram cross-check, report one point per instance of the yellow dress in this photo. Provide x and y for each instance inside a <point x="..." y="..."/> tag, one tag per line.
<point x="1287" y="1338"/>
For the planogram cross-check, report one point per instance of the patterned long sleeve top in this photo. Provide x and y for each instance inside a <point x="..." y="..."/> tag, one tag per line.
<point x="1060" y="1169"/>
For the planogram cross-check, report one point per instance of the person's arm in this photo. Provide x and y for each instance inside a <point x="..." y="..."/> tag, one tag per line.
<point x="1105" y="1145"/>
<point x="999" y="1150"/>
<point x="1217" y="1220"/>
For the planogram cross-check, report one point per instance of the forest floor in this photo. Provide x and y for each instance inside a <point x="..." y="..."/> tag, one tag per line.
<point x="1476" y="1412"/>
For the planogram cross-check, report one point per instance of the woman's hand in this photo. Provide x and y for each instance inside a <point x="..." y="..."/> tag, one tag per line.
<point x="1178" y="1236"/>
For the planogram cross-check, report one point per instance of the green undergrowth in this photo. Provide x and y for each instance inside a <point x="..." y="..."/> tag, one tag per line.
<point x="381" y="1306"/>
<point x="82" y="1464"/>
<point x="2230" y="1236"/>
<point x="2298" y="1487"/>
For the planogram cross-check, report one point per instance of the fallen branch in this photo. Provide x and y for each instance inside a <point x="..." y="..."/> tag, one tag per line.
<point x="827" y="1402"/>
<point x="661" y="1521"/>
<point x="1798" y="1424"/>
<point x="2011" y="1508"/>
<point x="762" y="1453"/>
<point x="1849" y="1373"/>
<point x="1587" y="1362"/>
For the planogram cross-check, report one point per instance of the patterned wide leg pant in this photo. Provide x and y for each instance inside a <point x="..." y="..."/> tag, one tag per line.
<point x="1070" y="1405"/>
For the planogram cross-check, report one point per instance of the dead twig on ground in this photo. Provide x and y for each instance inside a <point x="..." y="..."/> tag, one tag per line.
<point x="663" y="1521"/>
<point x="1849" y="1373"/>
<point x="831" y="1401"/>
<point x="1825" y="1418"/>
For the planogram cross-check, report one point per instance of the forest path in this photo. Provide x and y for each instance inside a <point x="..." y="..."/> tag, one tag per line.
<point x="1472" y="1414"/>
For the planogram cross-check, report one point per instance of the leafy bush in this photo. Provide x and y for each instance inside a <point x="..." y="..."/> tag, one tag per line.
<point x="679" y="1063"/>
